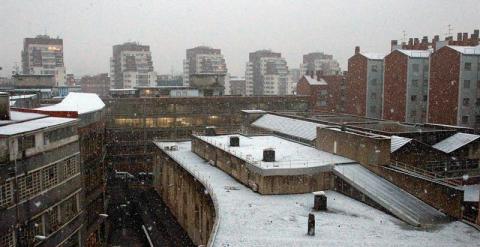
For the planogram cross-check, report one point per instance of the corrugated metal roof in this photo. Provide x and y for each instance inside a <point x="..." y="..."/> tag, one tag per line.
<point x="455" y="142"/>
<point x="396" y="142"/>
<point x="289" y="126"/>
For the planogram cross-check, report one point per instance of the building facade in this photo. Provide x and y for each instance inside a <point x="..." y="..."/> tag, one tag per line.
<point x="43" y="55"/>
<point x="318" y="61"/>
<point x="294" y="76"/>
<point x="405" y="93"/>
<point x="454" y="93"/>
<point x="327" y="93"/>
<point x="203" y="60"/>
<point x="266" y="74"/>
<point x="98" y="84"/>
<point x="237" y="86"/>
<point x="131" y="66"/>
<point x="365" y="82"/>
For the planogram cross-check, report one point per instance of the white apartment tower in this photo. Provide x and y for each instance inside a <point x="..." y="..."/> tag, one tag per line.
<point x="43" y="55"/>
<point x="203" y="60"/>
<point x="131" y="66"/>
<point x="266" y="74"/>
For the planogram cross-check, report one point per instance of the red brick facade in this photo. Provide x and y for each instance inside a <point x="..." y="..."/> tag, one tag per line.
<point x="334" y="97"/>
<point x="443" y="86"/>
<point x="395" y="86"/>
<point x="357" y="85"/>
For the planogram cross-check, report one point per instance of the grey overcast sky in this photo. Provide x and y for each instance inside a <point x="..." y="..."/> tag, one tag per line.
<point x="295" y="27"/>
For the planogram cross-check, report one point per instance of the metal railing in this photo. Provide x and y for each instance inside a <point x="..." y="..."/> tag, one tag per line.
<point x="423" y="172"/>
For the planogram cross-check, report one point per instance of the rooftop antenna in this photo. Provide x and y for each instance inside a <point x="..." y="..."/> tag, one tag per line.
<point x="404" y="36"/>
<point x="449" y="30"/>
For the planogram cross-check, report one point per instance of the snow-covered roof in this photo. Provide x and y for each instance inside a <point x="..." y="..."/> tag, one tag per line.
<point x="79" y="102"/>
<point x="289" y="126"/>
<point x="281" y="220"/>
<point x="467" y="50"/>
<point x="288" y="154"/>
<point x="396" y="142"/>
<point x="16" y="116"/>
<point x="37" y="124"/>
<point x="313" y="81"/>
<point x="374" y="56"/>
<point x="254" y="111"/>
<point x="455" y="142"/>
<point x="24" y="96"/>
<point x="416" y="53"/>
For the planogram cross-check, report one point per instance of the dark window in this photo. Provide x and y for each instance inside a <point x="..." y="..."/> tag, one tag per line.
<point x="425" y="97"/>
<point x="373" y="81"/>
<point x="464" y="119"/>
<point x="413" y="97"/>
<point x="466" y="84"/>
<point x="466" y="101"/>
<point x="374" y="68"/>
<point x="477" y="119"/>
<point x="415" y="83"/>
<point x="468" y="66"/>
<point x="416" y="67"/>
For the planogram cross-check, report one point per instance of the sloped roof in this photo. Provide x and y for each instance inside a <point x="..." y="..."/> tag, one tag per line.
<point x="467" y="50"/>
<point x="455" y="142"/>
<point x="374" y="56"/>
<point x="396" y="142"/>
<point x="416" y="53"/>
<point x="33" y="125"/>
<point x="79" y="102"/>
<point x="293" y="127"/>
<point x="312" y="81"/>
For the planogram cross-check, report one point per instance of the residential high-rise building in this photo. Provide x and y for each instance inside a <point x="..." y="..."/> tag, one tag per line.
<point x="405" y="91"/>
<point x="43" y="55"/>
<point x="266" y="73"/>
<point x="294" y="76"/>
<point x="203" y="60"/>
<point x="454" y="87"/>
<point x="131" y="66"/>
<point x="235" y="86"/>
<point x="365" y="83"/>
<point x="318" y="61"/>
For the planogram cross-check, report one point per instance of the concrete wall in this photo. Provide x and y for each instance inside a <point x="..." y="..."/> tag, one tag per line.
<point x="365" y="149"/>
<point x="265" y="185"/>
<point x="185" y="197"/>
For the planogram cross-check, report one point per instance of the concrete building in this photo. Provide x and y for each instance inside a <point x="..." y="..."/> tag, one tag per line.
<point x="98" y="84"/>
<point x="294" y="76"/>
<point x="43" y="55"/>
<point x="365" y="83"/>
<point x="41" y="187"/>
<point x="318" y="61"/>
<point x="266" y="73"/>
<point x="237" y="86"/>
<point x="405" y="91"/>
<point x="169" y="80"/>
<point x="454" y="96"/>
<point x="203" y="60"/>
<point x="131" y="65"/>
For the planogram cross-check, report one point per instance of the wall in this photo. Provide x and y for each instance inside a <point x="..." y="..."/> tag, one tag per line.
<point x="443" y="86"/>
<point x="395" y="83"/>
<point x="374" y="84"/>
<point x="185" y="197"/>
<point x="357" y="85"/>
<point x="365" y="149"/>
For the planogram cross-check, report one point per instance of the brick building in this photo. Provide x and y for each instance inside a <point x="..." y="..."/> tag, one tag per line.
<point x="454" y="96"/>
<point x="405" y="92"/>
<point x="365" y="80"/>
<point x="327" y="92"/>
<point x="98" y="84"/>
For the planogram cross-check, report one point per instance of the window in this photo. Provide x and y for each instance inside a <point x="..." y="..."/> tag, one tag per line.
<point x="373" y="108"/>
<point x="374" y="68"/>
<point x="466" y="101"/>
<point x="373" y="95"/>
<point x="373" y="82"/>
<point x="415" y="83"/>
<point x="415" y="67"/>
<point x="6" y="194"/>
<point x="478" y="84"/>
<point x="468" y="66"/>
<point x="477" y="119"/>
<point x="413" y="113"/>
<point x="413" y="97"/>
<point x="50" y="176"/>
<point x="26" y="142"/>
<point x="465" y="119"/>
<point x="425" y="68"/>
<point x="478" y="102"/>
<point x="323" y="92"/>
<point x="425" y="98"/>
<point x="466" y="84"/>
<point x="425" y="83"/>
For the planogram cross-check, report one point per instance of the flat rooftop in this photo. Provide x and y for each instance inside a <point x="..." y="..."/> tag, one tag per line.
<point x="288" y="154"/>
<point x="246" y="218"/>
<point x="16" y="117"/>
<point x="33" y="125"/>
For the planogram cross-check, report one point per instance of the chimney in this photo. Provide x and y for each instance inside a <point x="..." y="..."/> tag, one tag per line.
<point x="269" y="155"/>
<point x="436" y="38"/>
<point x="357" y="50"/>
<point x="234" y="141"/>
<point x="319" y="74"/>
<point x="320" y="201"/>
<point x="312" y="74"/>
<point x="425" y="40"/>
<point x="4" y="106"/>
<point x="476" y="33"/>
<point x="416" y="41"/>
<point x="465" y="36"/>
<point x="410" y="41"/>
<point x="393" y="42"/>
<point x="459" y="36"/>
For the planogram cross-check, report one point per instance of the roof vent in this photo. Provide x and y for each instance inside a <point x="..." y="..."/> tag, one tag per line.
<point x="234" y="141"/>
<point x="269" y="155"/>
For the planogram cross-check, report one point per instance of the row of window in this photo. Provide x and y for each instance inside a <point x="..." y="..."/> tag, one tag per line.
<point x="32" y="183"/>
<point x="466" y="119"/>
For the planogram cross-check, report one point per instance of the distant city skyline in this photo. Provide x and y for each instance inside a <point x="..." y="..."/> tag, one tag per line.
<point x="89" y="29"/>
